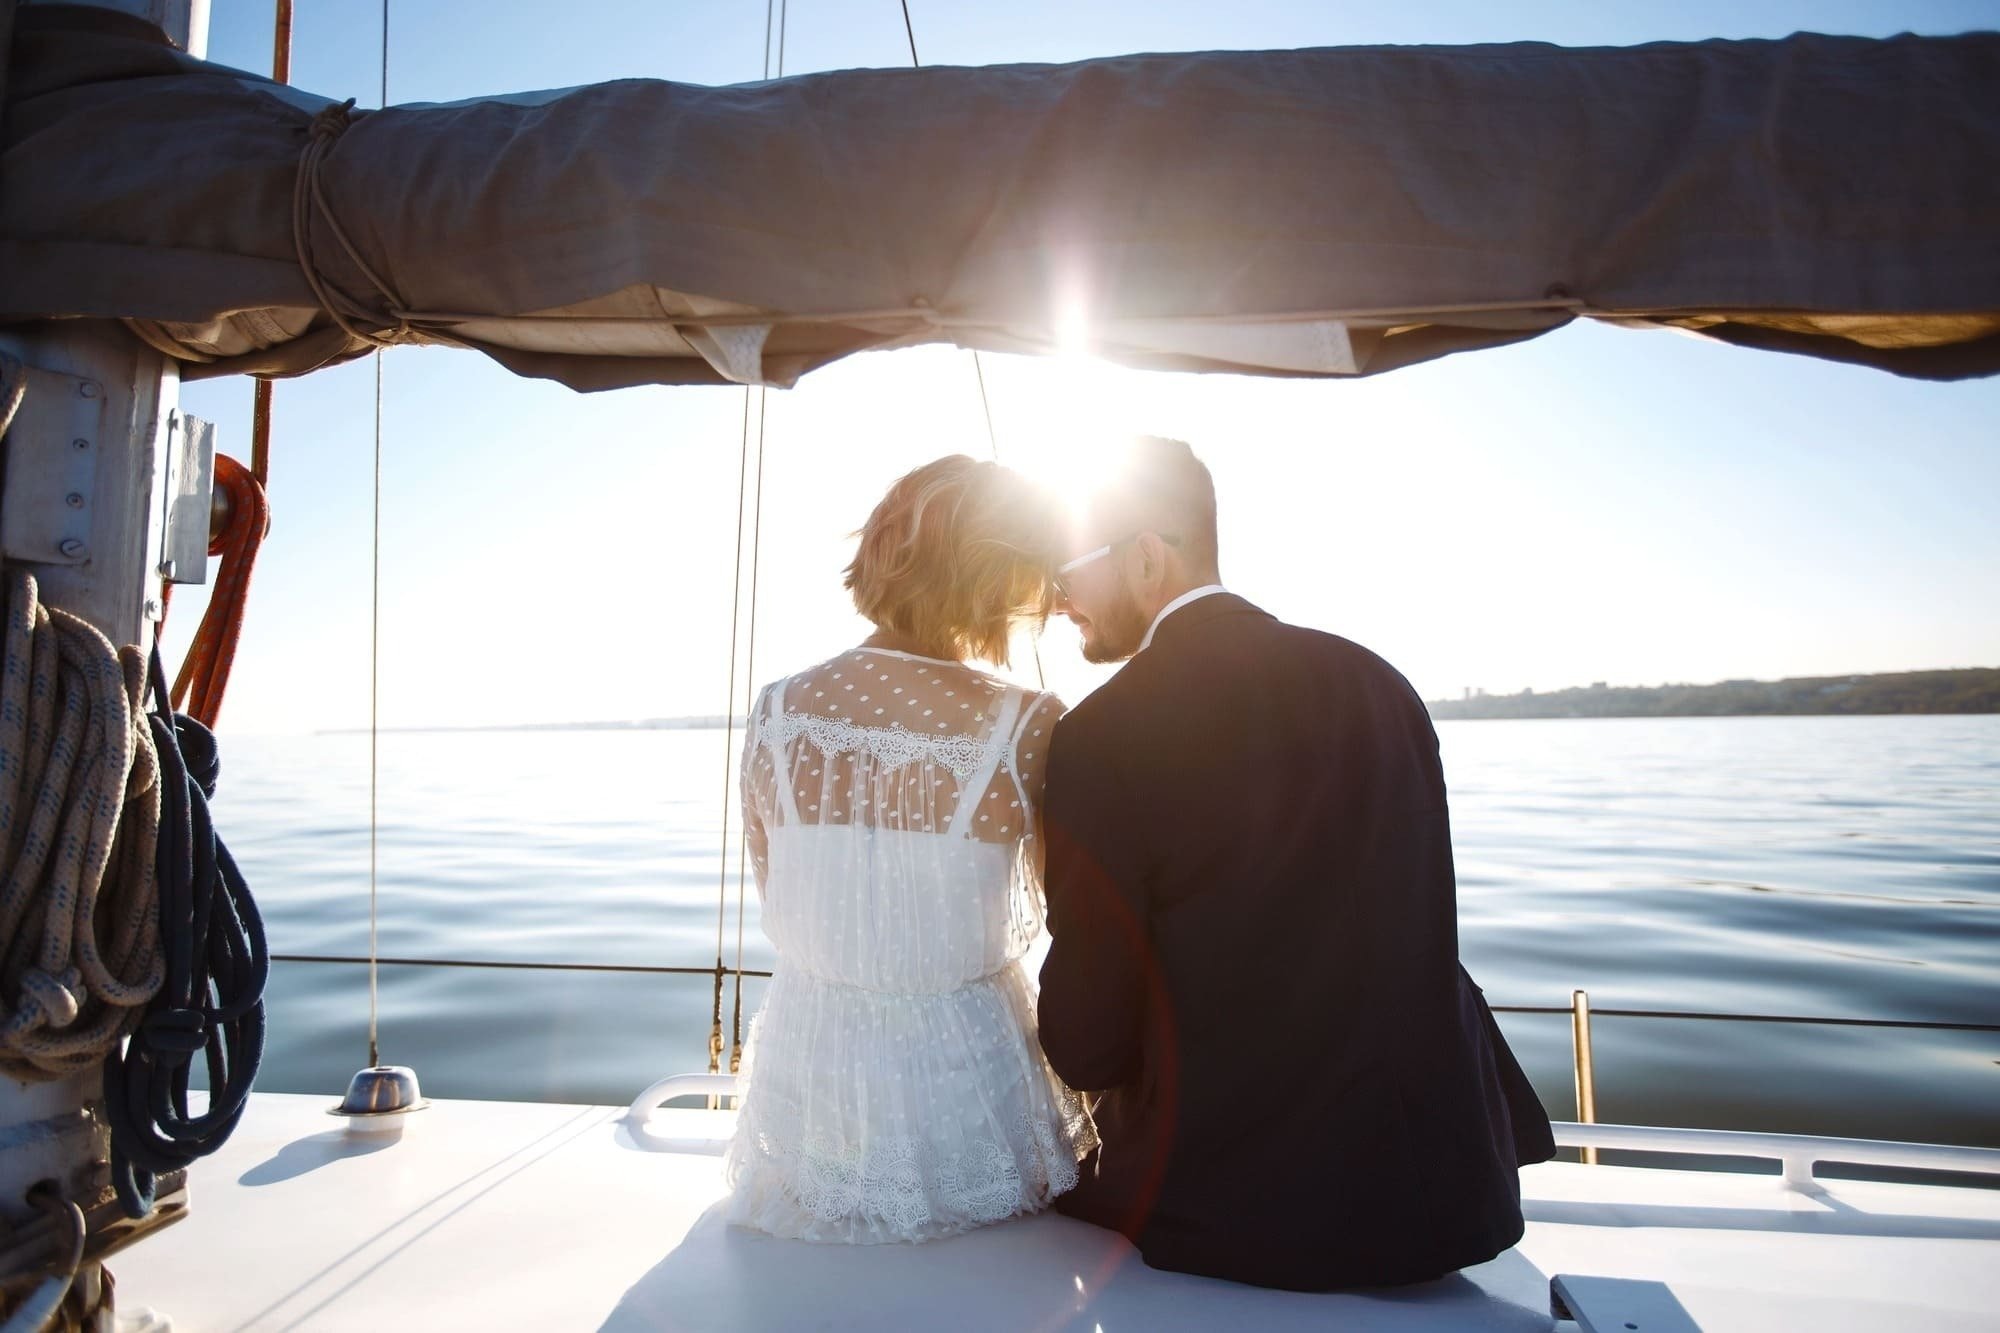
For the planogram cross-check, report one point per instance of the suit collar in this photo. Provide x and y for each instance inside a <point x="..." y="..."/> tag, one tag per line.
<point x="1186" y="598"/>
<point x="1189" y="619"/>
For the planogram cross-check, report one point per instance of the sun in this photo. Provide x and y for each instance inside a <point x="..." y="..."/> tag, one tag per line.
<point x="1065" y="419"/>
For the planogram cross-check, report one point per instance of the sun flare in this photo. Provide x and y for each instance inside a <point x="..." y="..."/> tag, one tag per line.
<point x="1066" y="420"/>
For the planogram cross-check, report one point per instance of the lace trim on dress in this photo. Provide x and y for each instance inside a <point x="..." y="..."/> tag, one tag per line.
<point x="893" y="747"/>
<point x="897" y="1179"/>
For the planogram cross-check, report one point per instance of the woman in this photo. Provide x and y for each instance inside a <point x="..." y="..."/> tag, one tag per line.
<point x="894" y="1089"/>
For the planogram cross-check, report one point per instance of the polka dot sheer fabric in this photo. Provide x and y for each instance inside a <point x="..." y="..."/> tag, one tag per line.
<point x="894" y="1089"/>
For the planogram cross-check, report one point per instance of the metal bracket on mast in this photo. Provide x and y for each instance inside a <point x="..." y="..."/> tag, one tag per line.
<point x="105" y="497"/>
<point x="49" y="504"/>
<point x="51" y="469"/>
<point x="187" y="500"/>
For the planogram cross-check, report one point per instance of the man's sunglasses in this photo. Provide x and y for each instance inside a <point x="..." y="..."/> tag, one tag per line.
<point x="1064" y="570"/>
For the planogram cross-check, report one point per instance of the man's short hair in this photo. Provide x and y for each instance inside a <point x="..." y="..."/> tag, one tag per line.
<point x="1158" y="485"/>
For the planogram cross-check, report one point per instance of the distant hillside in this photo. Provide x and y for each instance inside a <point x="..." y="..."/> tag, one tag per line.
<point x="1972" y="690"/>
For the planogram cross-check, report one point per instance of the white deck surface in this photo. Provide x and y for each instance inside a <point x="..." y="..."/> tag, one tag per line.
<point x="504" y="1215"/>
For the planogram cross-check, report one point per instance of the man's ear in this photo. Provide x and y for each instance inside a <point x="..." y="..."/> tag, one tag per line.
<point x="1153" y="555"/>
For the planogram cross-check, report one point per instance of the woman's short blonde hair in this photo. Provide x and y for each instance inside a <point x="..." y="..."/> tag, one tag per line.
<point x="956" y="554"/>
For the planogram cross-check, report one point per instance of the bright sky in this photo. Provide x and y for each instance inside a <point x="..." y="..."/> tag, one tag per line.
<point x="1635" y="507"/>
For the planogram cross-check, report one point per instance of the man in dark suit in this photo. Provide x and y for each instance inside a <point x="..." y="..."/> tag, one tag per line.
<point x="1254" y="935"/>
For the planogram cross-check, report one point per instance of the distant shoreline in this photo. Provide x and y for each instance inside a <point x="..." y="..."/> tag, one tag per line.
<point x="715" y="723"/>
<point x="1967" y="690"/>
<point x="1959" y="691"/>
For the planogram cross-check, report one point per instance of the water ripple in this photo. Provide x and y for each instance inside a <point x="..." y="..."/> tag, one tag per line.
<point x="1834" y="866"/>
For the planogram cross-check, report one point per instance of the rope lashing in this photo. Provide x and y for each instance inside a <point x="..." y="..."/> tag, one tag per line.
<point x="204" y="674"/>
<point x="79" y="824"/>
<point x="212" y="1000"/>
<point x="307" y="197"/>
<point x="13" y="389"/>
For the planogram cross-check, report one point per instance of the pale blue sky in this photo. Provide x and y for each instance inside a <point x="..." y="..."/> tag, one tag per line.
<point x="1597" y="504"/>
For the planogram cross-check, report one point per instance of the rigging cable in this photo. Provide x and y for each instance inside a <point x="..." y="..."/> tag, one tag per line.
<point x="784" y="13"/>
<point x="374" y="725"/>
<point x="979" y="370"/>
<point x="729" y="744"/>
<point x="750" y="680"/>
<point x="749" y="688"/>
<point x="756" y="565"/>
<point x="375" y="668"/>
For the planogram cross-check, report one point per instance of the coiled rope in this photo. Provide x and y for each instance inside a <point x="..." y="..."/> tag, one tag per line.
<point x="79" y="824"/>
<point x="212" y="999"/>
<point x="204" y="673"/>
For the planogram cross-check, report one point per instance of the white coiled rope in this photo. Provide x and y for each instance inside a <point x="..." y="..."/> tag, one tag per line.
<point x="79" y="827"/>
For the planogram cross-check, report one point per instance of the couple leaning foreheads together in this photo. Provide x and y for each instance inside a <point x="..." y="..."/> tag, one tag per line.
<point x="1253" y="1050"/>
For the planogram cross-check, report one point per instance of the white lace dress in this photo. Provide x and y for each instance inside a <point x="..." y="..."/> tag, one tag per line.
<point x="894" y="1089"/>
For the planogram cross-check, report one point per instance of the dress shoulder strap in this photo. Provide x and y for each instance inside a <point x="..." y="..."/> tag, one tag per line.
<point x="998" y="740"/>
<point x="773" y="735"/>
<point x="1013" y="753"/>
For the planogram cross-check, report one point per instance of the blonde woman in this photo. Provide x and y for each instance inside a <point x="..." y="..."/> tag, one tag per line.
<point x="894" y="1088"/>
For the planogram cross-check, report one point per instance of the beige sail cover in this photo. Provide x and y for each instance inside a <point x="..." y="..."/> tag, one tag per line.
<point x="1322" y="212"/>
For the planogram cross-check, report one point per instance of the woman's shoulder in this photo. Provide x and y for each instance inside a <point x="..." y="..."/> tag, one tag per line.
<point x="900" y="689"/>
<point x="1041" y="708"/>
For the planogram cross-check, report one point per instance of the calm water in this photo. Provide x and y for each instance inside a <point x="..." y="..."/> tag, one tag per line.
<point x="1828" y="866"/>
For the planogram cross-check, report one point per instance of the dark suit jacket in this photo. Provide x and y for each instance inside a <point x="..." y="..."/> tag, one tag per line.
<point x="1255" y="958"/>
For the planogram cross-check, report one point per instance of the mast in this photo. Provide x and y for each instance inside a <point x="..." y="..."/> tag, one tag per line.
<point x="105" y="497"/>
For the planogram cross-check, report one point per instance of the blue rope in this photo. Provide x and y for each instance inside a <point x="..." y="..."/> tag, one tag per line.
<point x="216" y="966"/>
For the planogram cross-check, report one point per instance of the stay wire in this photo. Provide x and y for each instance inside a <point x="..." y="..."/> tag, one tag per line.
<point x="979" y="370"/>
<point x="729" y="742"/>
<point x="749" y="666"/>
<point x="749" y="686"/>
<point x="375" y="675"/>
<point x="374" y="728"/>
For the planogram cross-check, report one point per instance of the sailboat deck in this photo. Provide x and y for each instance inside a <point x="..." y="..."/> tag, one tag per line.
<point x="505" y="1215"/>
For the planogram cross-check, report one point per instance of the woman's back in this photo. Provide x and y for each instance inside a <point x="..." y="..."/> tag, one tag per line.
<point x="895" y="842"/>
<point x="895" y="1091"/>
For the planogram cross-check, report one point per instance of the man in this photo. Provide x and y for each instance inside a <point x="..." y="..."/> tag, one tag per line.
<point x="1254" y="948"/>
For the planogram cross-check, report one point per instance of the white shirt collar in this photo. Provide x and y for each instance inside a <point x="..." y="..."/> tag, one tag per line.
<point x="1191" y="595"/>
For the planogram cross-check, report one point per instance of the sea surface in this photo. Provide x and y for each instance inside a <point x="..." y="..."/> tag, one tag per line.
<point x="1842" y="867"/>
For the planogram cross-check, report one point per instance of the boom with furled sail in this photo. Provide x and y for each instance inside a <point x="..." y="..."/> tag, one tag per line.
<point x="1324" y="212"/>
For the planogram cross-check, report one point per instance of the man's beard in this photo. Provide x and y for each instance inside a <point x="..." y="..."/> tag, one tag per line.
<point x="1118" y="630"/>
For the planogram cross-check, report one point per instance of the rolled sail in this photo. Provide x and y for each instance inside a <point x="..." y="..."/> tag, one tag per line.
<point x="1323" y="212"/>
